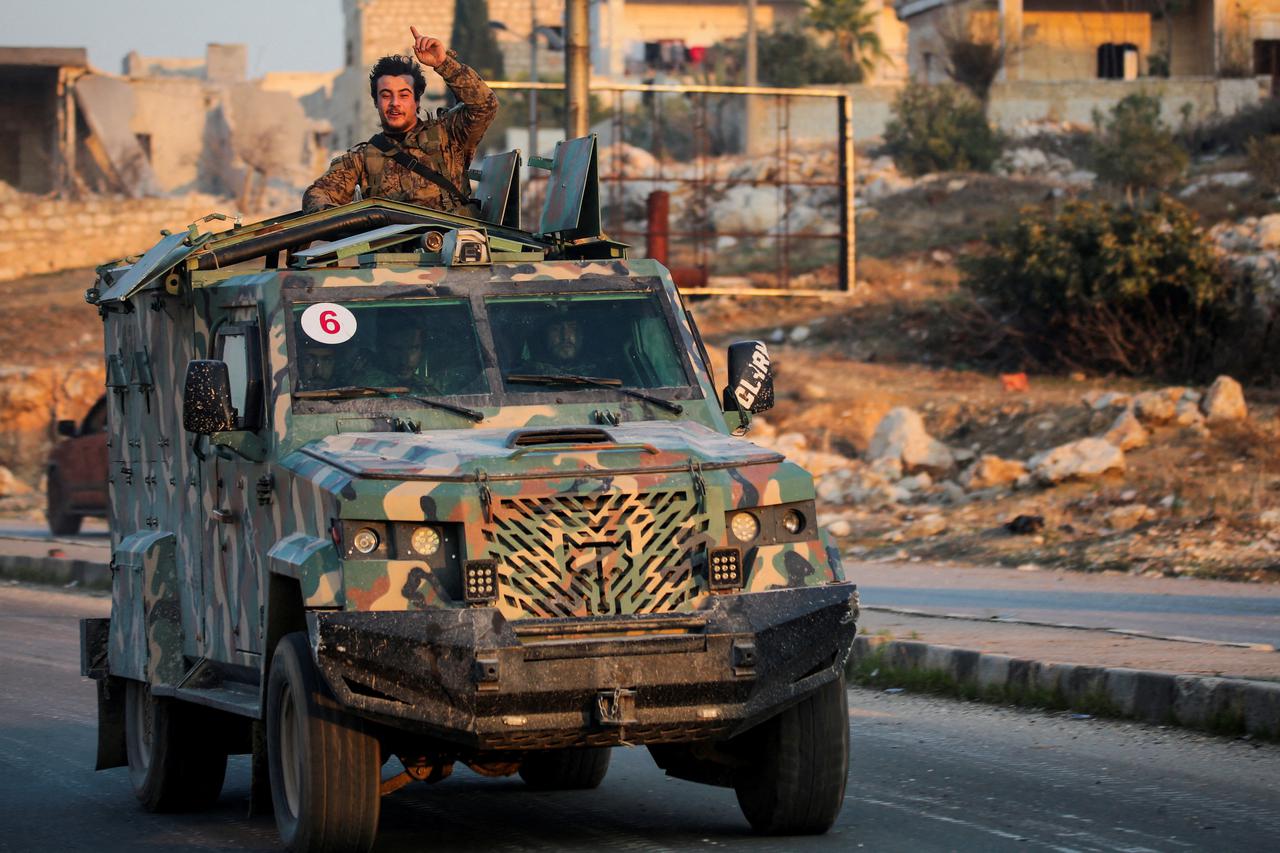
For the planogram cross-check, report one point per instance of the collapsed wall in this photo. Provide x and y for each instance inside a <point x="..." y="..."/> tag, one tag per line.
<point x="47" y="235"/>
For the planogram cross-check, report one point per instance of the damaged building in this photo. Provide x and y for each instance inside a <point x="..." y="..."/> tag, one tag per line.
<point x="162" y="127"/>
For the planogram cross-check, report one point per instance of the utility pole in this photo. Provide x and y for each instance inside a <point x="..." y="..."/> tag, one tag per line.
<point x="751" y="125"/>
<point x="533" y="76"/>
<point x="577" y="78"/>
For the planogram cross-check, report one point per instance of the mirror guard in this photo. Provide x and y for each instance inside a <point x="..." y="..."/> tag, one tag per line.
<point x="206" y="398"/>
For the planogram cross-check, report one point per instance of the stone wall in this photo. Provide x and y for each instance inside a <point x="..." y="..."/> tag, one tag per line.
<point x="42" y="235"/>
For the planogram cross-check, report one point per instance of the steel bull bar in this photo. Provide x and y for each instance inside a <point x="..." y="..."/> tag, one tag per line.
<point x="472" y="677"/>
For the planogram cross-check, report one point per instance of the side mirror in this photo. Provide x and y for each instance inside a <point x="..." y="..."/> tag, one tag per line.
<point x="206" y="398"/>
<point x="750" y="387"/>
<point x="67" y="429"/>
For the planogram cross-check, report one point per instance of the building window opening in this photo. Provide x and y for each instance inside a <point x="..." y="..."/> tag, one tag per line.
<point x="1118" y="61"/>
<point x="144" y="142"/>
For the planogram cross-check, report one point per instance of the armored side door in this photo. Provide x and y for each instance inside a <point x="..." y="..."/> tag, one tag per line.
<point x="236" y="490"/>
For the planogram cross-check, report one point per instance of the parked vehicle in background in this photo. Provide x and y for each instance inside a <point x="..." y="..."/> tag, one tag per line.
<point x="77" y="472"/>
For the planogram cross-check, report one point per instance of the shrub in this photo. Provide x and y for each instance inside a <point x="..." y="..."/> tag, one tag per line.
<point x="787" y="56"/>
<point x="1096" y="286"/>
<point x="1134" y="149"/>
<point x="1229" y="135"/>
<point x="1264" y="161"/>
<point x="939" y="128"/>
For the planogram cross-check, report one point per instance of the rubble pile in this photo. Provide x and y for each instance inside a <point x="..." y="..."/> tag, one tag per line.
<point x="1251" y="249"/>
<point x="904" y="465"/>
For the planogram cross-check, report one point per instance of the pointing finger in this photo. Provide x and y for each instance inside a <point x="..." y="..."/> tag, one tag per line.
<point x="416" y="34"/>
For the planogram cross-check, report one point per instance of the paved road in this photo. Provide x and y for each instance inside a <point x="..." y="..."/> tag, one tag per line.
<point x="1211" y="610"/>
<point x="1185" y="607"/>
<point x="928" y="775"/>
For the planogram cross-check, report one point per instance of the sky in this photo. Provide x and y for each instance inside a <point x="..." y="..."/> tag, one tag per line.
<point x="282" y="35"/>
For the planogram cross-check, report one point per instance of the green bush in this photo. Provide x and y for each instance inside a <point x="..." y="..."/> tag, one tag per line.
<point x="1134" y="149"/>
<point x="940" y="128"/>
<point x="786" y="56"/>
<point x="1264" y="161"/>
<point x="1107" y="288"/>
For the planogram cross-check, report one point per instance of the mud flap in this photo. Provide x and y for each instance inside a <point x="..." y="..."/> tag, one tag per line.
<point x="111" y="748"/>
<point x="259" y="773"/>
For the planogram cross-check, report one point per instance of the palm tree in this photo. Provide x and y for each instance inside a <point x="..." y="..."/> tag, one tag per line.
<point x="854" y="27"/>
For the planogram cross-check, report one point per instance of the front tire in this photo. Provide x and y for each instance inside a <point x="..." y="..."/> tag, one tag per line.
<point x="566" y="769"/>
<point x="324" y="764"/>
<point x="800" y="760"/>
<point x="175" y="762"/>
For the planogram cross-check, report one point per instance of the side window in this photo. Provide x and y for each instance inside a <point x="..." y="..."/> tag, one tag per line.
<point x="237" y="346"/>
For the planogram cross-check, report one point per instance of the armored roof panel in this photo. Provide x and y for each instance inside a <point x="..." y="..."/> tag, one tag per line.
<point x="158" y="260"/>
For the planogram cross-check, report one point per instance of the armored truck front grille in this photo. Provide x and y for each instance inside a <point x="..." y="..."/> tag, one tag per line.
<point x="586" y="555"/>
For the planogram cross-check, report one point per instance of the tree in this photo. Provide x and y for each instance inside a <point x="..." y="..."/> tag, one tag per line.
<point x="975" y="51"/>
<point x="854" y="28"/>
<point x="473" y="39"/>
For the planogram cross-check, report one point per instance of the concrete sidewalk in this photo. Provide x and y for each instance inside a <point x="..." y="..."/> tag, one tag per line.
<point x="1232" y="688"/>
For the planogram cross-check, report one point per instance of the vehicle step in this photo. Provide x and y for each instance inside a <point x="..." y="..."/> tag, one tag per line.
<point x="232" y="697"/>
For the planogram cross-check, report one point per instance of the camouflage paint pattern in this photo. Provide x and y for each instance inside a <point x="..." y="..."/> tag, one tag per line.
<point x="631" y="522"/>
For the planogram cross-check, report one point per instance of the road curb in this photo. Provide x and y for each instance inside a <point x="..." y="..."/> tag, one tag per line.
<point x="1222" y="705"/>
<point x="55" y="570"/>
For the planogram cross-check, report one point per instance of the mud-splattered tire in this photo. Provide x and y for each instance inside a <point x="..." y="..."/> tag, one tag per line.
<point x="800" y="760"/>
<point x="565" y="769"/>
<point x="324" y="763"/>
<point x="175" y="763"/>
<point x="62" y="522"/>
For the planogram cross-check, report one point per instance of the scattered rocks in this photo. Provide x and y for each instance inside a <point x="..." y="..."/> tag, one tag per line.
<point x="1083" y="459"/>
<point x="1268" y="231"/>
<point x="1126" y="432"/>
<point x="1100" y="401"/>
<point x="1224" y="401"/>
<point x="1187" y="413"/>
<point x="901" y="435"/>
<point x="1156" y="407"/>
<point x="11" y="486"/>
<point x="991" y="471"/>
<point x="1129" y="516"/>
<point x="888" y="467"/>
<point x="841" y="527"/>
<point x="931" y="525"/>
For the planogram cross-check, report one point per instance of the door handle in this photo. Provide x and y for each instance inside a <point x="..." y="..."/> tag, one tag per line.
<point x="225" y="516"/>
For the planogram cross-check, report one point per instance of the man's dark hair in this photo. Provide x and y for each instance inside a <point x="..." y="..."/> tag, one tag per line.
<point x="396" y="65"/>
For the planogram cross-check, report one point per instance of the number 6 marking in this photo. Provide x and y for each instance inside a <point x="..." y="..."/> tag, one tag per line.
<point x="328" y="323"/>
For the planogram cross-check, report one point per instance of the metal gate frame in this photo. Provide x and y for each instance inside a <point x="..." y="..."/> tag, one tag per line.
<point x="846" y="256"/>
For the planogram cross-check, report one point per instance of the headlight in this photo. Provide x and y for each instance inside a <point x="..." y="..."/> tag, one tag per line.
<point x="425" y="541"/>
<point x="793" y="521"/>
<point x="745" y="527"/>
<point x="366" y="540"/>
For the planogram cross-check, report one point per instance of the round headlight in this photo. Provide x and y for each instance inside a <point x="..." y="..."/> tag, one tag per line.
<point x="744" y="526"/>
<point x="365" y="541"/>
<point x="793" y="521"/>
<point x="425" y="541"/>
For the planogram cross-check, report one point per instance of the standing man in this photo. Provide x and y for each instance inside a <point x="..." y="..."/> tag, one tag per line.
<point x="423" y="161"/>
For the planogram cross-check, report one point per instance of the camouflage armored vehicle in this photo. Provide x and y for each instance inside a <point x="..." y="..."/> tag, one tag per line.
<point x="392" y="489"/>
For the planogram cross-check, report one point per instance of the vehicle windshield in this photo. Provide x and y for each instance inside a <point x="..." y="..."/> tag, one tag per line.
<point x="619" y="336"/>
<point x="420" y="347"/>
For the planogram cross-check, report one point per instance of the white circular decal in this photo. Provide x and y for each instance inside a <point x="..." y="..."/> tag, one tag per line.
<point x="328" y="323"/>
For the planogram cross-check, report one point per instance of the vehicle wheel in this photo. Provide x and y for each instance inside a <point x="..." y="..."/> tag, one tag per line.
<point x="175" y="762"/>
<point x="62" y="522"/>
<point x="800" y="760"/>
<point x="324" y="763"/>
<point x="566" y="769"/>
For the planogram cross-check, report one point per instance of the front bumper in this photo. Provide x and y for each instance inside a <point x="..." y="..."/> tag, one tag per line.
<point x="472" y="677"/>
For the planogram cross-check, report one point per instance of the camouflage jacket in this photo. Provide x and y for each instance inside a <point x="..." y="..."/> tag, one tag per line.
<point x="446" y="143"/>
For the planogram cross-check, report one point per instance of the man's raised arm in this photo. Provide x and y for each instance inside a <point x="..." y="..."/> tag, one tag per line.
<point x="479" y="105"/>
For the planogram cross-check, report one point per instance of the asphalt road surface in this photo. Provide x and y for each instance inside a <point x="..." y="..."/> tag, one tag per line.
<point x="1219" y="611"/>
<point x="927" y="774"/>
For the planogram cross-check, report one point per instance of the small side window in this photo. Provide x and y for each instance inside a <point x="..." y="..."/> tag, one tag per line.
<point x="237" y="346"/>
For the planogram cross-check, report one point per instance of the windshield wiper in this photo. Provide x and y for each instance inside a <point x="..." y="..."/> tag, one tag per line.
<point x="400" y="393"/>
<point x="595" y="381"/>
